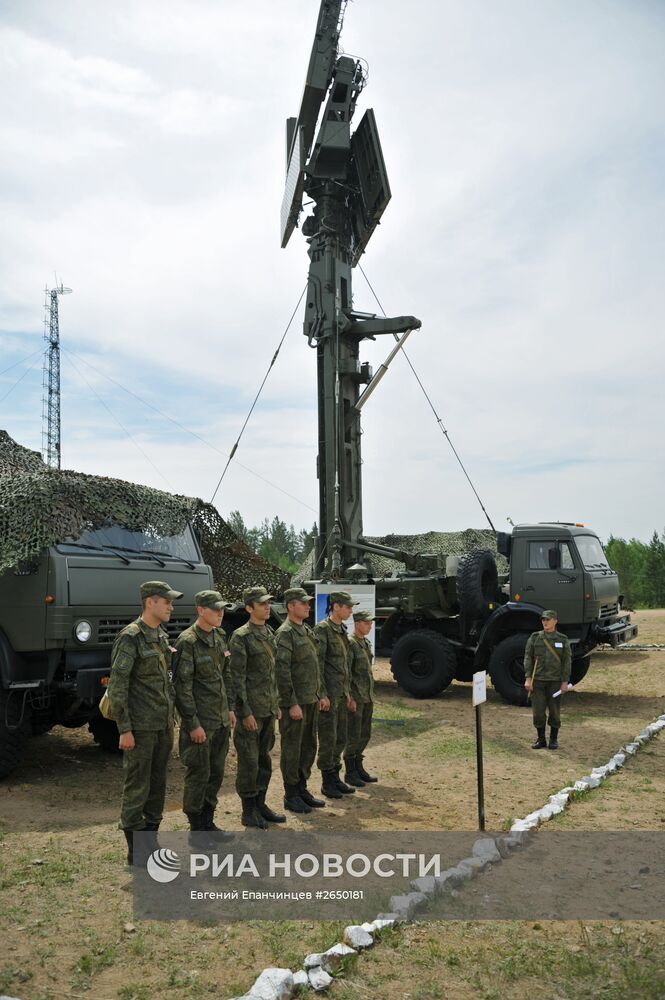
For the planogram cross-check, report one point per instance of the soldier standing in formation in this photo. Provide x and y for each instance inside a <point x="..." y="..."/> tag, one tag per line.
<point x="334" y="666"/>
<point x="299" y="684"/>
<point x="256" y="704"/>
<point x="201" y="684"/>
<point x="547" y="662"/>
<point x="362" y="693"/>
<point x="141" y="699"/>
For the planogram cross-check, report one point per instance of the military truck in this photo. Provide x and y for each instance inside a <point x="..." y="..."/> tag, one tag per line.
<point x="59" y="615"/>
<point x="74" y="549"/>
<point x="442" y="617"/>
<point x="445" y="618"/>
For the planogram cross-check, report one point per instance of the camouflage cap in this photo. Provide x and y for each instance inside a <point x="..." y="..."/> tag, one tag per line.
<point x="210" y="599"/>
<point x="363" y="616"/>
<point x="297" y="594"/>
<point x="342" y="597"/>
<point x="256" y="595"/>
<point x="157" y="588"/>
<point x="547" y="615"/>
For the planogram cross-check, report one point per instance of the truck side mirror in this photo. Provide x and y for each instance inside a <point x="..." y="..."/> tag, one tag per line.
<point x="554" y="558"/>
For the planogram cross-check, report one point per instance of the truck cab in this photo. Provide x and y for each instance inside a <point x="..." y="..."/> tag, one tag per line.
<point x="60" y="614"/>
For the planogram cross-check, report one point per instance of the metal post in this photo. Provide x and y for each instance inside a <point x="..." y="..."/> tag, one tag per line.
<point x="479" y="765"/>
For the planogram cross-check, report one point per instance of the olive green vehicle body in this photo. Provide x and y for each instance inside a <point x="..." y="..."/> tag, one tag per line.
<point x="482" y="622"/>
<point x="48" y="675"/>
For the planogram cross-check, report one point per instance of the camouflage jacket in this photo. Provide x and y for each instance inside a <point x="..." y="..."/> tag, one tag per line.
<point x="253" y="671"/>
<point x="297" y="665"/>
<point x="334" y="657"/>
<point x="201" y="678"/>
<point x="360" y="669"/>
<point x="547" y="664"/>
<point x="140" y="689"/>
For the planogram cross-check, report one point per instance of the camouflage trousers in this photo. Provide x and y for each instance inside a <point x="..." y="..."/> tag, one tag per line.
<point x="332" y="734"/>
<point x="144" y="787"/>
<point x="360" y="729"/>
<point x="253" y="749"/>
<point x="204" y="767"/>
<point x="542" y="702"/>
<point x="298" y="743"/>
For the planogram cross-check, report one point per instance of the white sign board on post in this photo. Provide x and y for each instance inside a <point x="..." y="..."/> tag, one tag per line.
<point x="479" y="687"/>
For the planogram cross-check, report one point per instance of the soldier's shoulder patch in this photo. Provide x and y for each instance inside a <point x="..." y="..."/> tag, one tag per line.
<point x="132" y="629"/>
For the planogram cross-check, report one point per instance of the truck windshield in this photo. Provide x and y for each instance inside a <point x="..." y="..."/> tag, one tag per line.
<point x="591" y="552"/>
<point x="181" y="546"/>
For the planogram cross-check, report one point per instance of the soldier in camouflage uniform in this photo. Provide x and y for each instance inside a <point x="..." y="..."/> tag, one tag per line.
<point x="200" y="681"/>
<point x="140" y="694"/>
<point x="256" y="705"/>
<point x="298" y="684"/>
<point x="547" y="662"/>
<point x="362" y="692"/>
<point x="333" y="661"/>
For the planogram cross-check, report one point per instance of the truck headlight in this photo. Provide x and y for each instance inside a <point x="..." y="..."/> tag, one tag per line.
<point x="83" y="631"/>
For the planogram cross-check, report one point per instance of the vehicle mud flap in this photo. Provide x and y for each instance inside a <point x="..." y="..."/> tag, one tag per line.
<point x="477" y="583"/>
<point x="14" y="729"/>
<point x="579" y="669"/>
<point x="105" y="732"/>
<point x="506" y="668"/>
<point x="423" y="662"/>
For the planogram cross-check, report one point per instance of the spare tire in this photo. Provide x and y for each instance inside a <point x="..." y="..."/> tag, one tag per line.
<point x="477" y="583"/>
<point x="506" y="668"/>
<point x="423" y="662"/>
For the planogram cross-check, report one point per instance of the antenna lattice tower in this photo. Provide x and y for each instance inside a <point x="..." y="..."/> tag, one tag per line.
<point x="51" y="378"/>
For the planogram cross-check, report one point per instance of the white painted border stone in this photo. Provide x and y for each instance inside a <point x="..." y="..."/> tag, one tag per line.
<point x="280" y="984"/>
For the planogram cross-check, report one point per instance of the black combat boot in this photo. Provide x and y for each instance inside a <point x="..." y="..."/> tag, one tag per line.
<point x="360" y="768"/>
<point x="329" y="784"/>
<point x="208" y="824"/>
<point x="293" y="801"/>
<point x="541" y="742"/>
<point x="129" y="837"/>
<point x="307" y="796"/>
<point x="195" y="822"/>
<point x="266" y="811"/>
<point x="554" y="742"/>
<point x="250" y="814"/>
<point x="341" y="787"/>
<point x="351" y="776"/>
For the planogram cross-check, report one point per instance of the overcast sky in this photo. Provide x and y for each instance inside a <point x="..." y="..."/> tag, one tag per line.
<point x="142" y="160"/>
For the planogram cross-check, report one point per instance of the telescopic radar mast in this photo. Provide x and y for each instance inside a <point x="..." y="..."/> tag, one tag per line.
<point x="344" y="175"/>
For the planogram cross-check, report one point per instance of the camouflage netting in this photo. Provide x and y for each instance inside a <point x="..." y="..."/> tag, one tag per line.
<point x="450" y="543"/>
<point x="40" y="506"/>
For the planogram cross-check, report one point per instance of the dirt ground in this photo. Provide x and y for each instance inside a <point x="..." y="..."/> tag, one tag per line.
<point x="66" y="897"/>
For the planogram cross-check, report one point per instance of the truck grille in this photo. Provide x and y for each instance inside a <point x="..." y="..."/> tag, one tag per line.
<point x="607" y="610"/>
<point x="108" y="628"/>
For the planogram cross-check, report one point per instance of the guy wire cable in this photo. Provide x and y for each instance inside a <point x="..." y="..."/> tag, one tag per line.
<point x="176" y="423"/>
<point x="431" y="405"/>
<point x="256" y="398"/>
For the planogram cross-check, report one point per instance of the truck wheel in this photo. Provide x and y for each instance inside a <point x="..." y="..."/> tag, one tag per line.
<point x="423" y="663"/>
<point x="105" y="732"/>
<point x="506" y="668"/>
<point x="579" y="669"/>
<point x="477" y="583"/>
<point x="12" y="741"/>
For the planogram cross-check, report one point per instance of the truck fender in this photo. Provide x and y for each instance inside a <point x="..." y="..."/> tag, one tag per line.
<point x="505" y="620"/>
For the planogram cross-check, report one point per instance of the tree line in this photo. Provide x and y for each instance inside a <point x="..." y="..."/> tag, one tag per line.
<point x="640" y="565"/>
<point x="274" y="540"/>
<point x="641" y="569"/>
